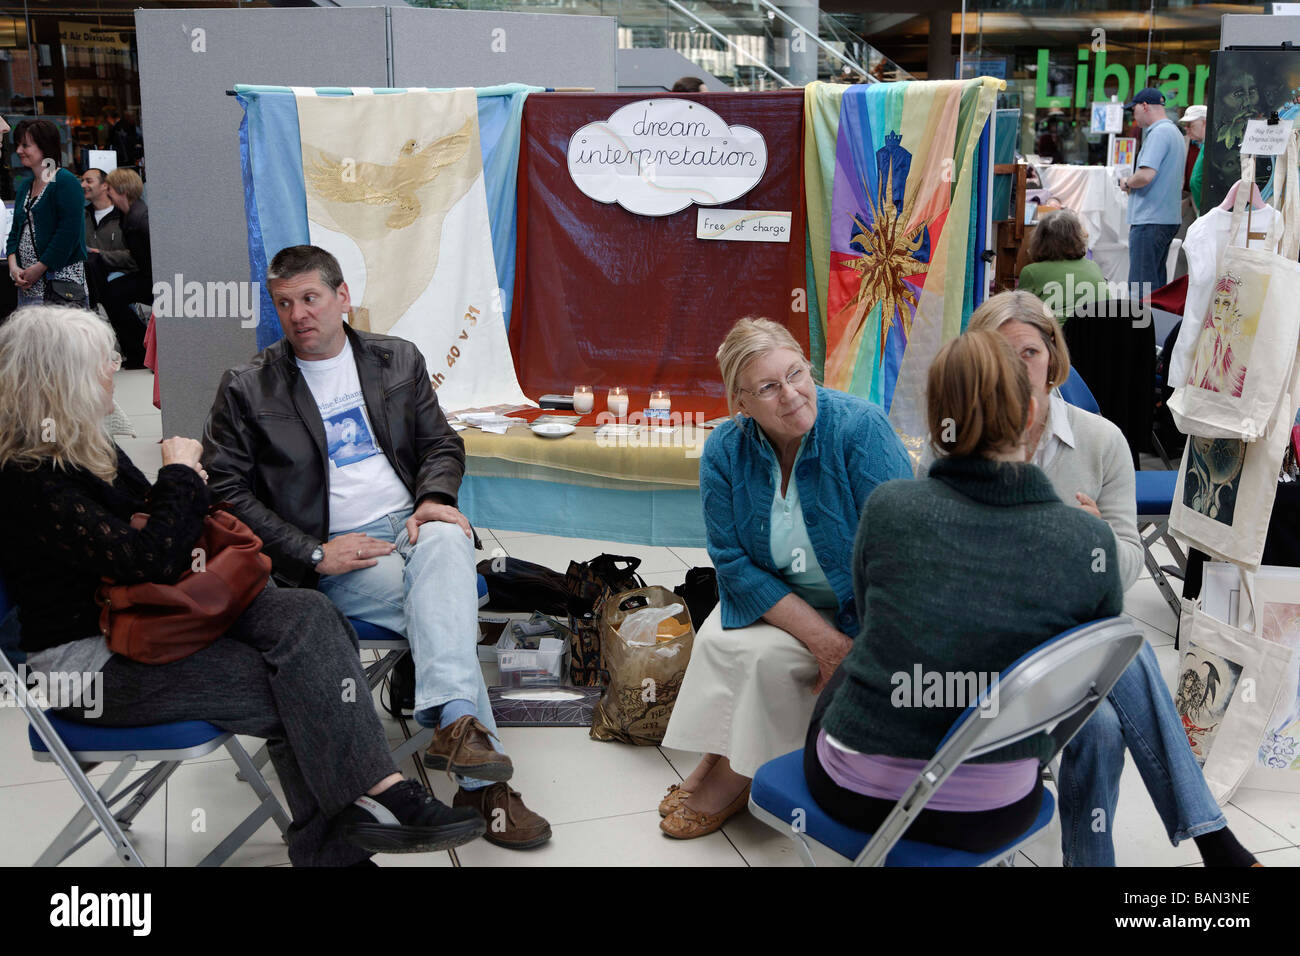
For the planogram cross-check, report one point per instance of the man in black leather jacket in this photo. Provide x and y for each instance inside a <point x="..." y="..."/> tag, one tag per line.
<point x="331" y="446"/>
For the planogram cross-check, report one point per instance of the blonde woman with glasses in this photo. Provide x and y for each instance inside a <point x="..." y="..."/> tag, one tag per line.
<point x="783" y="485"/>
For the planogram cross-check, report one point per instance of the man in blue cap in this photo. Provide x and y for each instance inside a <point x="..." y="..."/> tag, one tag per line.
<point x="1155" y="190"/>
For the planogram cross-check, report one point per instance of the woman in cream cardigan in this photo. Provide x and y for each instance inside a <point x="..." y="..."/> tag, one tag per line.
<point x="783" y="485"/>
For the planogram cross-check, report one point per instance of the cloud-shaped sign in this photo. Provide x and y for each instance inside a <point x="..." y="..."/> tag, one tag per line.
<point x="656" y="157"/>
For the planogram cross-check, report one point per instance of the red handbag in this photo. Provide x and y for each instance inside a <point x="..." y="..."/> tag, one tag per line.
<point x="160" y="623"/>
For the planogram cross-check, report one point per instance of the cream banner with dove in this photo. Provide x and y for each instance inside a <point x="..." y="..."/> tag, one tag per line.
<point x="395" y="191"/>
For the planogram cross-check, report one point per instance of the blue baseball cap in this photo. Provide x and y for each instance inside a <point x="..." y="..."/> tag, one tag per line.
<point x="1149" y="95"/>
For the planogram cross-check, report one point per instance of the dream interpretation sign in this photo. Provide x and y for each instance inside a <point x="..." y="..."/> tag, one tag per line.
<point x="657" y="157"/>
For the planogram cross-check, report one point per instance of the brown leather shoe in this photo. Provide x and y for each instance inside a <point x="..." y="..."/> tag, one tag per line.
<point x="673" y="799"/>
<point x="687" y="824"/>
<point x="465" y="747"/>
<point x="510" y="824"/>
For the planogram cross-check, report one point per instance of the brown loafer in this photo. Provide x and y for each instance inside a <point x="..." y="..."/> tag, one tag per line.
<point x="465" y="747"/>
<point x="675" y="797"/>
<point x="687" y="824"/>
<point x="510" y="824"/>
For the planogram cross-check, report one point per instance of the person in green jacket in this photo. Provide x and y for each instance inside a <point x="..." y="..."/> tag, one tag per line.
<point x="958" y="573"/>
<point x="1059" y="271"/>
<point x="47" y="241"/>
<point x="1198" y="177"/>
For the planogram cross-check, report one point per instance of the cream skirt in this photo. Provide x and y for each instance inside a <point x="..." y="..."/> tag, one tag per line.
<point x="747" y="694"/>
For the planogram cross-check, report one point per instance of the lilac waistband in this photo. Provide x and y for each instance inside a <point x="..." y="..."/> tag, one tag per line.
<point x="971" y="788"/>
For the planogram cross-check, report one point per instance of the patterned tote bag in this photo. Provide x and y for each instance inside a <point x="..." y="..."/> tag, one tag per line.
<point x="1230" y="682"/>
<point x="1224" y="495"/>
<point x="1247" y="342"/>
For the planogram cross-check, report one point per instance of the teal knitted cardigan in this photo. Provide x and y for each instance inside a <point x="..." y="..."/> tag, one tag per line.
<point x="963" y="571"/>
<point x="58" y="221"/>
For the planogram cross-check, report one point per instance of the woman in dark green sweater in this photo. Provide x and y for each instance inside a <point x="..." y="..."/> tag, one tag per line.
<point x="47" y="242"/>
<point x="959" y="573"/>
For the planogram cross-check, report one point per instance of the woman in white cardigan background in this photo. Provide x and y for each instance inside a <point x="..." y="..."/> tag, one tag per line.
<point x="1088" y="461"/>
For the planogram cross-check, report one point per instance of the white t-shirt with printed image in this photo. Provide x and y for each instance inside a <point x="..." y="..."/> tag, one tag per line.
<point x="363" y="485"/>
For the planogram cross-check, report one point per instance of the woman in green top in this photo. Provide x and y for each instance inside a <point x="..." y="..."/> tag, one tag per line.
<point x="1058" y="271"/>
<point x="47" y="241"/>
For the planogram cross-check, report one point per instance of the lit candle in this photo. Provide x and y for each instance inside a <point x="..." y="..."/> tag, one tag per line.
<point x="584" y="399"/>
<point x="659" y="399"/>
<point x="617" y="402"/>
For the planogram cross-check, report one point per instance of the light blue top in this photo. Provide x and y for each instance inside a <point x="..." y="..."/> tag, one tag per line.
<point x="850" y="449"/>
<point x="1159" y="202"/>
<point x="792" y="549"/>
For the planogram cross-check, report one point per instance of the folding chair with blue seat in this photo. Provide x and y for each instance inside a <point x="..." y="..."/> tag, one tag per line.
<point x="1076" y="391"/>
<point x="1053" y="688"/>
<point x="1155" y="499"/>
<point x="77" y="747"/>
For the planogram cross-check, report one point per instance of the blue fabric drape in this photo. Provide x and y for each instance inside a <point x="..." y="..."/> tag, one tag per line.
<point x="275" y="196"/>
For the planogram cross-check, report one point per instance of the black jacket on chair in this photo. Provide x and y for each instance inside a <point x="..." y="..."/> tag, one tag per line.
<point x="265" y="453"/>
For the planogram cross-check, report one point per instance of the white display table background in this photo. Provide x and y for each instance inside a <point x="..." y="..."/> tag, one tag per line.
<point x="1091" y="191"/>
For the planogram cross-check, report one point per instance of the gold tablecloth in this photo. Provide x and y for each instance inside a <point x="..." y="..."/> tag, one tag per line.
<point x="641" y="462"/>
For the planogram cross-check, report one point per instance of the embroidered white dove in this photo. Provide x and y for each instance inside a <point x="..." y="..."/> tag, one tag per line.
<point x="376" y="205"/>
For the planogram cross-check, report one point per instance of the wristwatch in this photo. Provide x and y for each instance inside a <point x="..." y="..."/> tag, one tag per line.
<point x="317" y="556"/>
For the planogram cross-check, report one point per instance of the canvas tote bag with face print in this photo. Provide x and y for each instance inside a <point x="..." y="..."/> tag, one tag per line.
<point x="1247" y="342"/>
<point x="1224" y="495"/>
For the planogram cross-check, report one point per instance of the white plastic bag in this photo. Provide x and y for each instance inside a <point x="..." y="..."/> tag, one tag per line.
<point x="641" y="628"/>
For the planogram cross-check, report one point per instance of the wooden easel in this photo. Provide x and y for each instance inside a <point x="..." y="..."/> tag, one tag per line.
<point x="1010" y="234"/>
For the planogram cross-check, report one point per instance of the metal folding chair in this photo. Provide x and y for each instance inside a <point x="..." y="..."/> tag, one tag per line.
<point x="1053" y="688"/>
<point x="77" y="747"/>
<point x="1155" y="499"/>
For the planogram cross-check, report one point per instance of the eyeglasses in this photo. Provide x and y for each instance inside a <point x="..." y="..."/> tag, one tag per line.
<point x="770" y="390"/>
<point x="115" y="361"/>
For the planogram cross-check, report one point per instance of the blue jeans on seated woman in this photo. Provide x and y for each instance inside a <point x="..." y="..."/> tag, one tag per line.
<point x="1138" y="714"/>
<point x="427" y="592"/>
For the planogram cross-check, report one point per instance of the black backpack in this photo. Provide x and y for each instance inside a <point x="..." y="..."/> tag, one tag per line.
<point x="700" y="592"/>
<point x="516" y="585"/>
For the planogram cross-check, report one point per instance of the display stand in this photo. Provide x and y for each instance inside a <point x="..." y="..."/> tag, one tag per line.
<point x="1012" y="234"/>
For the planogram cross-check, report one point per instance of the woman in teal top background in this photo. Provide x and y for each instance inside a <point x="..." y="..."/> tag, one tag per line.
<point x="1059" y="271"/>
<point x="783" y="485"/>
<point x="47" y="240"/>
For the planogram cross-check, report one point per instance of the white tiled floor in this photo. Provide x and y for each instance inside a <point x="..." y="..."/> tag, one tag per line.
<point x="599" y="797"/>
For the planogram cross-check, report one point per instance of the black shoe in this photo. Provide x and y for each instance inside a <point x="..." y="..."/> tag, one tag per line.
<point x="406" y="818"/>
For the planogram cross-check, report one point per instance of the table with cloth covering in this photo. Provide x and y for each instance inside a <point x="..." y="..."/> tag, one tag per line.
<point x="643" y="490"/>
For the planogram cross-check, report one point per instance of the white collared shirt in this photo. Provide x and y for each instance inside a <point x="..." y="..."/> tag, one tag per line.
<point x="1056" y="433"/>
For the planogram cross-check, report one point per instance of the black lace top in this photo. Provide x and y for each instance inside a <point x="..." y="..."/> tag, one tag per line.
<point x="68" y="530"/>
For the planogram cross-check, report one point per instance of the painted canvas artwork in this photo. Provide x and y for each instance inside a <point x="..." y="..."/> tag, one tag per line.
<point x="1206" y="682"/>
<point x="1213" y="474"/>
<point x="1280" y="748"/>
<point x="1228" y="335"/>
<point x="1246" y="85"/>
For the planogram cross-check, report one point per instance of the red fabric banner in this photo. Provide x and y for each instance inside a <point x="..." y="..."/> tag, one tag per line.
<point x="606" y="297"/>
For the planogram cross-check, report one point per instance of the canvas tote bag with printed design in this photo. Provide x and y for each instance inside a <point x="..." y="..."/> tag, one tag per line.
<point x="1247" y="342"/>
<point x="1229" y="683"/>
<point x="1225" y="490"/>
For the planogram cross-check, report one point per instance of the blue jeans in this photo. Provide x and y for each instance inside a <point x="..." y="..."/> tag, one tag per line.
<point x="429" y="592"/>
<point x="1148" y="247"/>
<point x="1138" y="713"/>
